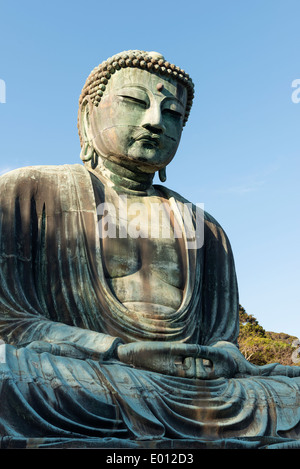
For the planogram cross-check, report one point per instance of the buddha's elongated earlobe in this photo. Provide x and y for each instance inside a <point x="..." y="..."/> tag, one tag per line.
<point x="94" y="159"/>
<point x="162" y="174"/>
<point x="86" y="153"/>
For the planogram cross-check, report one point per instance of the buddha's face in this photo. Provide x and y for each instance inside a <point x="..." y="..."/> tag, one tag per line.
<point x="139" y="119"/>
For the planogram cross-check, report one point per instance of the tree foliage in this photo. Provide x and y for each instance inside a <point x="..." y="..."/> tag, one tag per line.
<point x="261" y="347"/>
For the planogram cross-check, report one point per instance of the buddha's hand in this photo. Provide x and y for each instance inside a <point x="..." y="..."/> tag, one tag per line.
<point x="221" y="360"/>
<point x="63" y="349"/>
<point x="162" y="357"/>
<point x="186" y="360"/>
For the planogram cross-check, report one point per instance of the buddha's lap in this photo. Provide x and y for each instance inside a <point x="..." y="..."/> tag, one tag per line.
<point x="28" y="368"/>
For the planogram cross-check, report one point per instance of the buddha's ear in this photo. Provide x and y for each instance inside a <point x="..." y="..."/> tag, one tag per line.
<point x="84" y="120"/>
<point x="84" y="129"/>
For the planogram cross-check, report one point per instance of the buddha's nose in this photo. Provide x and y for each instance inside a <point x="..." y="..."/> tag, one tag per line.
<point x="153" y="120"/>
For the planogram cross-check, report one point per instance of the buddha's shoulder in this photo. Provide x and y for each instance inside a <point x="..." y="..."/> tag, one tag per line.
<point x="45" y="174"/>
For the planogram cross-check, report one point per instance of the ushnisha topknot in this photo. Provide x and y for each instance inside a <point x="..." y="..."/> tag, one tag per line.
<point x="154" y="62"/>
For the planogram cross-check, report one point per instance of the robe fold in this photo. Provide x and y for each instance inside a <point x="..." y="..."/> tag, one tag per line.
<point x="53" y="289"/>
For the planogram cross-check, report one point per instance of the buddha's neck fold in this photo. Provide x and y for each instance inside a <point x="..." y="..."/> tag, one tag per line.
<point x="123" y="178"/>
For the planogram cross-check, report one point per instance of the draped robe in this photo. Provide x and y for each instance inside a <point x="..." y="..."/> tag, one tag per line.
<point x="53" y="289"/>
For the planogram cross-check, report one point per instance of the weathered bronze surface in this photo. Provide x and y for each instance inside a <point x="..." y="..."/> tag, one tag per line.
<point x="118" y="297"/>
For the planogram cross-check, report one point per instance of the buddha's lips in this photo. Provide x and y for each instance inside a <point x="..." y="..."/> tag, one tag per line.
<point x="148" y="138"/>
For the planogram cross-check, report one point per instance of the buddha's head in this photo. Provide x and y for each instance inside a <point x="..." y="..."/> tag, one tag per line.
<point x="132" y="110"/>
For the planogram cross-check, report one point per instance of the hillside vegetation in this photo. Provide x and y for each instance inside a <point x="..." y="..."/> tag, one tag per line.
<point x="262" y="347"/>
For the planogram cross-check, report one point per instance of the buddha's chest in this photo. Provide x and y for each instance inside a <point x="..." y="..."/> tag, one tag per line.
<point x="140" y="238"/>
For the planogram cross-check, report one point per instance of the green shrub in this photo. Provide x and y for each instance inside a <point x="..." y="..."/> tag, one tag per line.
<point x="261" y="347"/>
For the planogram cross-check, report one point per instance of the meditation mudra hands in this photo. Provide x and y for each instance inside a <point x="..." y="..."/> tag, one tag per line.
<point x="169" y="358"/>
<point x="186" y="360"/>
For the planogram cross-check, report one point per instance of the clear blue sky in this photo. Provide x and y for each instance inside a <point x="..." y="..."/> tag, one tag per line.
<point x="239" y="153"/>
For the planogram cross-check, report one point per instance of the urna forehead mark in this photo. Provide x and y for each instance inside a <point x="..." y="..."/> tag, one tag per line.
<point x="142" y="79"/>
